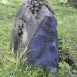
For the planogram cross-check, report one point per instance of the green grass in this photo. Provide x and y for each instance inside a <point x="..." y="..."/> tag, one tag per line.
<point x="67" y="33"/>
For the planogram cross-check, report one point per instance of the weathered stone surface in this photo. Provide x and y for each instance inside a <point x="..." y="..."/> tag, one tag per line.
<point x="39" y="35"/>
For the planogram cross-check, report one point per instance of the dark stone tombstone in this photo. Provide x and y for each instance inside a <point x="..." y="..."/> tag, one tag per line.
<point x="73" y="3"/>
<point x="39" y="33"/>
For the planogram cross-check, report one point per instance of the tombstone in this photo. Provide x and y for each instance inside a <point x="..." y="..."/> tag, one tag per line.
<point x="39" y="34"/>
<point x="73" y="3"/>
